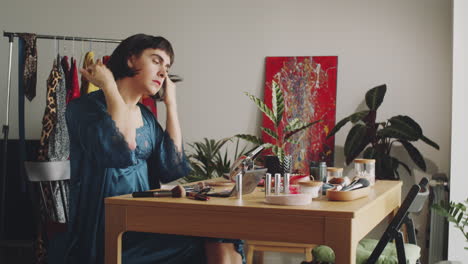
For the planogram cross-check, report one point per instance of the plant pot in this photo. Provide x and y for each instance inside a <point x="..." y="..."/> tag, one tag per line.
<point x="273" y="164"/>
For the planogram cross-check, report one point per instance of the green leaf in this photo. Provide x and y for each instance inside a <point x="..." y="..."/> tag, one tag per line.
<point x="358" y="116"/>
<point x="375" y="96"/>
<point x="277" y="102"/>
<point x="394" y="165"/>
<point x="355" y="142"/>
<point x="406" y="167"/>
<point x="269" y="132"/>
<point x="429" y="142"/>
<point x="292" y="124"/>
<point x="292" y="141"/>
<point x="338" y="126"/>
<point x="250" y="138"/>
<point x="401" y="127"/>
<point x="268" y="145"/>
<point x="414" y="154"/>
<point x="299" y="127"/>
<point x="263" y="107"/>
<point x="369" y="153"/>
<point x="279" y="152"/>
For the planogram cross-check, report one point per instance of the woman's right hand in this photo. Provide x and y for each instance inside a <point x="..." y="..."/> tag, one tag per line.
<point x="99" y="75"/>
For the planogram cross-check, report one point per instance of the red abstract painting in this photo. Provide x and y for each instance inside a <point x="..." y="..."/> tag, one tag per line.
<point x="309" y="88"/>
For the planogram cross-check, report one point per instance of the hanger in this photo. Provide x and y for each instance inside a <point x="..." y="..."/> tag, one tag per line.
<point x="73" y="48"/>
<point x="64" y="46"/>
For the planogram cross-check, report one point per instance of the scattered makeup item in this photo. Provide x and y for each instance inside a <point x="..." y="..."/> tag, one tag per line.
<point x="311" y="187"/>
<point x="339" y="183"/>
<point x="176" y="192"/>
<point x="336" y="180"/>
<point x="239" y="186"/>
<point x="268" y="184"/>
<point x="277" y="183"/>
<point x="359" y="183"/>
<point x="195" y="187"/>
<point x="333" y="173"/>
<point x="295" y="178"/>
<point x="197" y="196"/>
<point x="322" y="171"/>
<point x="287" y="176"/>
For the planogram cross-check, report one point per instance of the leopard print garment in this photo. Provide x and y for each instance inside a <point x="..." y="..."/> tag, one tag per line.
<point x="49" y="121"/>
<point x="50" y="114"/>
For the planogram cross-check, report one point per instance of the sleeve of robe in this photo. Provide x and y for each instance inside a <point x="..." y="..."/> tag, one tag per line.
<point x="92" y="126"/>
<point x="166" y="163"/>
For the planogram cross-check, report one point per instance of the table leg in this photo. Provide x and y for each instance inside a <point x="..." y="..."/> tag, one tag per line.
<point x="339" y="235"/>
<point x="115" y="226"/>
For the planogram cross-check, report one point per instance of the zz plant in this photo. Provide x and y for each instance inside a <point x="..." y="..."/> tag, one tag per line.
<point x="375" y="139"/>
<point x="281" y="136"/>
<point x="455" y="213"/>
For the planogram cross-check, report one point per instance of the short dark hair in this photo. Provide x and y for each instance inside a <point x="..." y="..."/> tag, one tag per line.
<point x="134" y="46"/>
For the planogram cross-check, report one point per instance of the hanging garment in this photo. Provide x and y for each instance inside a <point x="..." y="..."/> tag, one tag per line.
<point x="59" y="145"/>
<point x="74" y="91"/>
<point x="150" y="104"/>
<point x="21" y="122"/>
<point x="87" y="87"/>
<point x="105" y="59"/>
<point x="30" y="65"/>
<point x="50" y="114"/>
<point x="48" y="122"/>
<point x="66" y="71"/>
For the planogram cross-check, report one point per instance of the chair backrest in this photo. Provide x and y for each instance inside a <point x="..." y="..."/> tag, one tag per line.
<point x="392" y="231"/>
<point x="52" y="181"/>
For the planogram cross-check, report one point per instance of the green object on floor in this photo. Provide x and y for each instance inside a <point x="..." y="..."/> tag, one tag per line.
<point x="364" y="250"/>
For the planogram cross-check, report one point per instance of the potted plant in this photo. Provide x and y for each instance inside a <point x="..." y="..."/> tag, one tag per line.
<point x="206" y="160"/>
<point x="281" y="133"/>
<point x="375" y="139"/>
<point x="455" y="213"/>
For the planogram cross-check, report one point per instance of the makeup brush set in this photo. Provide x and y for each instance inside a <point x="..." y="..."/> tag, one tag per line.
<point x="345" y="192"/>
<point x="196" y="192"/>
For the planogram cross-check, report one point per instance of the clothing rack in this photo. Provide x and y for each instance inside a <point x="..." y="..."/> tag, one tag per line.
<point x="11" y="36"/>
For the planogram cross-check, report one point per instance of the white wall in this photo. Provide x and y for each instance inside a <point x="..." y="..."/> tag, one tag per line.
<point x="221" y="47"/>
<point x="458" y="179"/>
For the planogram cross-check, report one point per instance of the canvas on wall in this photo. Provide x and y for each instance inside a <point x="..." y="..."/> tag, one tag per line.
<point x="309" y="88"/>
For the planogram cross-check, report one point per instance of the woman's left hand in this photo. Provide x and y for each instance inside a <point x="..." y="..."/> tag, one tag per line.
<point x="170" y="98"/>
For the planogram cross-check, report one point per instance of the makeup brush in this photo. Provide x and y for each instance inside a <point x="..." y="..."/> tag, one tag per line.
<point x="360" y="183"/>
<point x="195" y="187"/>
<point x="176" y="192"/>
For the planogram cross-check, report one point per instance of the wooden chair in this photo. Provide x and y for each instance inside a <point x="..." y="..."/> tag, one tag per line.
<point x="261" y="246"/>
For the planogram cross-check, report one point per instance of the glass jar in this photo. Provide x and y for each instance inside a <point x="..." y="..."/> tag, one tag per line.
<point x="365" y="168"/>
<point x="334" y="172"/>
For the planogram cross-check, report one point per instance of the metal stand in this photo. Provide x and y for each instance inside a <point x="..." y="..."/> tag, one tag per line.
<point x="5" y="131"/>
<point x="4" y="242"/>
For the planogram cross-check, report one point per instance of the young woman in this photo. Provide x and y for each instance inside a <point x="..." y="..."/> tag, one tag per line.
<point x="117" y="147"/>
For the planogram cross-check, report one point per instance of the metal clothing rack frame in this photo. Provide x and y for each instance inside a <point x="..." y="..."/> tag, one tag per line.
<point x="5" y="130"/>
